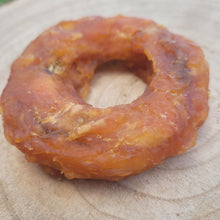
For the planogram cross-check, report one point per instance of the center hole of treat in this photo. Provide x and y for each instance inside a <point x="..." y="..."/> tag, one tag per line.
<point x="114" y="84"/>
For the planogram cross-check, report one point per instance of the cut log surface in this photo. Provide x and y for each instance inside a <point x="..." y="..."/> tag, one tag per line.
<point x="183" y="187"/>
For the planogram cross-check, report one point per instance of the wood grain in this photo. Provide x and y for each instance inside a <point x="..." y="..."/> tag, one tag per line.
<point x="183" y="187"/>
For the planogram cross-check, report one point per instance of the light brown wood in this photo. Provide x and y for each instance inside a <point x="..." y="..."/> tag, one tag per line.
<point x="183" y="187"/>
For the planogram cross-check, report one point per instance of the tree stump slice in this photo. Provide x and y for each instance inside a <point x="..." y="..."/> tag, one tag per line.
<point x="183" y="187"/>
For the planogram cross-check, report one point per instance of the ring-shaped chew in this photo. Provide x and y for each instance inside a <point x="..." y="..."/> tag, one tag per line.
<point x="46" y="118"/>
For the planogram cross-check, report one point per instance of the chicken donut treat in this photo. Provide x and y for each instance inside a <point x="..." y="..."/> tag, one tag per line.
<point x="46" y="118"/>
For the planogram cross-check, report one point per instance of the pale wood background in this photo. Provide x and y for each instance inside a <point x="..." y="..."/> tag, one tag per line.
<point x="184" y="187"/>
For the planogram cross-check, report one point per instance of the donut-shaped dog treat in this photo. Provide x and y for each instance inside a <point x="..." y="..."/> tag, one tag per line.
<point x="46" y="118"/>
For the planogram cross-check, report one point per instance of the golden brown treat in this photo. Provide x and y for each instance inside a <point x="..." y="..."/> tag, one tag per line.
<point x="46" y="118"/>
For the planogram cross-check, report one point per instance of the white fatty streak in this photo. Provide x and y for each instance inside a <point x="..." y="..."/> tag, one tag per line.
<point x="86" y="128"/>
<point x="72" y="107"/>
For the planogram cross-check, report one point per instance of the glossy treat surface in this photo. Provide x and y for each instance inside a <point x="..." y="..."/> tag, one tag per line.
<point x="46" y="118"/>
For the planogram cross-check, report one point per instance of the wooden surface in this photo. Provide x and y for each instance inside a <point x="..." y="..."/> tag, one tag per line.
<point x="183" y="187"/>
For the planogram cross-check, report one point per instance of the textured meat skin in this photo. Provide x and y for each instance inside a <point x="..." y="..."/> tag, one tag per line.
<point x="46" y="118"/>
